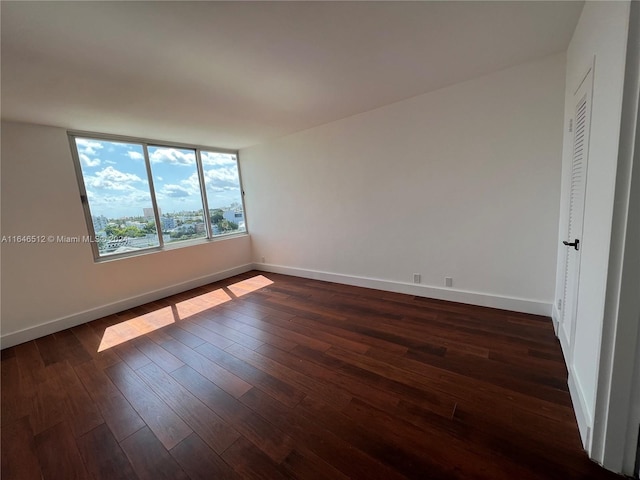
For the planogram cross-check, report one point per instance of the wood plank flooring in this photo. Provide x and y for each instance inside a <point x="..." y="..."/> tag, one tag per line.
<point x="266" y="376"/>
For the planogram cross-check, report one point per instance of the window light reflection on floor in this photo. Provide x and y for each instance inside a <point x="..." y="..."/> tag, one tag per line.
<point x="249" y="285"/>
<point x="148" y="322"/>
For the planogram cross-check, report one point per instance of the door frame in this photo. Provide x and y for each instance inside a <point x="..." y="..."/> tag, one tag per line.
<point x="617" y="408"/>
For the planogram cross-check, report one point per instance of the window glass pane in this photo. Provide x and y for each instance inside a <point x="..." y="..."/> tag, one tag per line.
<point x="224" y="196"/>
<point x="115" y="179"/>
<point x="177" y="188"/>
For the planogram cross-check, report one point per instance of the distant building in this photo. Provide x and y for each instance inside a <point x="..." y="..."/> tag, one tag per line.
<point x="148" y="213"/>
<point x="168" y="223"/>
<point x="186" y="229"/>
<point x="184" y="217"/>
<point x="142" y="242"/>
<point x="139" y="225"/>
<point x="235" y="215"/>
<point x="100" y="222"/>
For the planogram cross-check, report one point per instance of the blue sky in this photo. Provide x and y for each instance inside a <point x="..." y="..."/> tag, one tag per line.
<point x="115" y="178"/>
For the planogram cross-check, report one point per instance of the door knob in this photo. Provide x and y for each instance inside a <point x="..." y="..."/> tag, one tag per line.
<point x="575" y="244"/>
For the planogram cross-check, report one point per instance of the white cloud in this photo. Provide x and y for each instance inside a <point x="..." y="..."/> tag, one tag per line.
<point x="220" y="159"/>
<point x="88" y="147"/>
<point x="160" y="178"/>
<point x="109" y="201"/>
<point x="192" y="183"/>
<point x="175" y="191"/>
<point x="117" y="204"/>
<point x="87" y="162"/>
<point x="173" y="156"/>
<point x="111" y="179"/>
<point x="216" y="180"/>
<point x="115" y="193"/>
<point x="135" y="155"/>
<point x="220" y="179"/>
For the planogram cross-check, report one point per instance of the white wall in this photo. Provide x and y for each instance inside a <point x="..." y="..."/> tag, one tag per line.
<point x="601" y="32"/>
<point x="617" y="419"/>
<point x="47" y="287"/>
<point x="461" y="182"/>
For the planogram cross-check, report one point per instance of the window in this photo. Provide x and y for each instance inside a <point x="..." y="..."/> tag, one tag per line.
<point x="141" y="195"/>
<point x="221" y="180"/>
<point x="178" y="195"/>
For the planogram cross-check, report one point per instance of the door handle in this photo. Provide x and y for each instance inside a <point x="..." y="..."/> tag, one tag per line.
<point x="575" y="244"/>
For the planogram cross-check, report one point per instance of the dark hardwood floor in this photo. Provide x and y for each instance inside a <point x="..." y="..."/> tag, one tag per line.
<point x="269" y="376"/>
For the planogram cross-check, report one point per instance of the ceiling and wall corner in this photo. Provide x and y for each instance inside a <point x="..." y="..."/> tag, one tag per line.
<point x="235" y="74"/>
<point x="446" y="184"/>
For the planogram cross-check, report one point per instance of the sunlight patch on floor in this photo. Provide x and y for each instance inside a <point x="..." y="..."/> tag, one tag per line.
<point x="148" y="322"/>
<point x="130" y="329"/>
<point x="249" y="285"/>
<point x="199" y="304"/>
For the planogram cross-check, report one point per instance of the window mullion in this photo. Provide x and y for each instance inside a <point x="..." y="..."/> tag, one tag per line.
<point x="203" y="191"/>
<point x="244" y="211"/>
<point x="156" y="212"/>
<point x="84" y="198"/>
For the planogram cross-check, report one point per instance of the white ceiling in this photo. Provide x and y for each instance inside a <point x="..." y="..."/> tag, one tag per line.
<point x="233" y="74"/>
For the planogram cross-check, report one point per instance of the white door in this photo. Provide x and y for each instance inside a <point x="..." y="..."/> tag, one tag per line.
<point x="580" y="124"/>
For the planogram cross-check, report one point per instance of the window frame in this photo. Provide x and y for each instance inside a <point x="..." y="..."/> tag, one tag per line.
<point x="145" y="143"/>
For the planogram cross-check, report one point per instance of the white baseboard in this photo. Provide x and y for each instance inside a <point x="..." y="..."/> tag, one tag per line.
<point x="52" y="326"/>
<point x="461" y="296"/>
<point x="583" y="417"/>
<point x="565" y="346"/>
<point x="450" y="294"/>
<point x="555" y="317"/>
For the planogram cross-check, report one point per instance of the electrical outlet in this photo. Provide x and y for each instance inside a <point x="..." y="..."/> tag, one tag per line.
<point x="559" y="304"/>
<point x="417" y="278"/>
<point x="448" y="281"/>
<point x="261" y="259"/>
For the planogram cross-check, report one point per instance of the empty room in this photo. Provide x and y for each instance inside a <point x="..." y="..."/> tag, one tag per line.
<point x="320" y="240"/>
